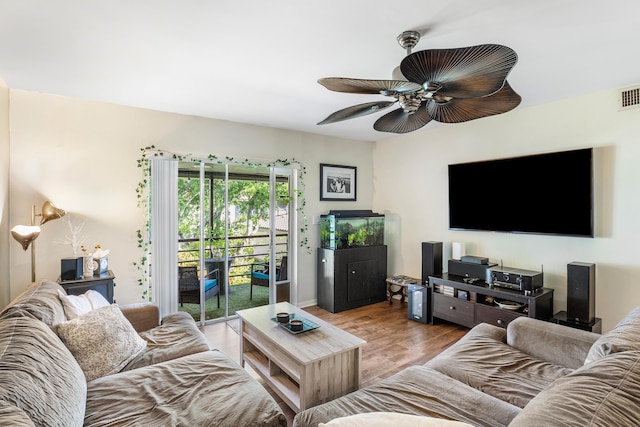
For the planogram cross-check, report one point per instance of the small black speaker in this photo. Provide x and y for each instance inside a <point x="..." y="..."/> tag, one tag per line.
<point x="581" y="291"/>
<point x="431" y="260"/>
<point x="71" y="268"/>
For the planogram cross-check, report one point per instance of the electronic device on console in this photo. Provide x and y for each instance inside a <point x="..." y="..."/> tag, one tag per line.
<point x="470" y="270"/>
<point x="475" y="259"/>
<point x="526" y="281"/>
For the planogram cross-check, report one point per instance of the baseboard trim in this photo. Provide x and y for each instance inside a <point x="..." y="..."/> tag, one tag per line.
<point x="307" y="303"/>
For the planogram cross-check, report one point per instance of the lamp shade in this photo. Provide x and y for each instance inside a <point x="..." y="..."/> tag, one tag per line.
<point x="25" y="234"/>
<point x="49" y="212"/>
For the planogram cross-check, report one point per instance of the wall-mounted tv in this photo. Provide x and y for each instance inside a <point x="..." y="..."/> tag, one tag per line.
<point x="549" y="193"/>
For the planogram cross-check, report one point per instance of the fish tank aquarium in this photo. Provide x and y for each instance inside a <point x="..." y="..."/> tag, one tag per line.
<point x="351" y="229"/>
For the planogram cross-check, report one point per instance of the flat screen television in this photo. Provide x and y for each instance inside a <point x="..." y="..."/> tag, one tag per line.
<point x="549" y="193"/>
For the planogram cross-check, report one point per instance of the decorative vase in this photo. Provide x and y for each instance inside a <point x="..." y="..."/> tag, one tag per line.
<point x="88" y="266"/>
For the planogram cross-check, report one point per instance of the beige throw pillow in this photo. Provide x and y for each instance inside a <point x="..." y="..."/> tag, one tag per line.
<point x="103" y="341"/>
<point x="77" y="305"/>
<point x="390" y="419"/>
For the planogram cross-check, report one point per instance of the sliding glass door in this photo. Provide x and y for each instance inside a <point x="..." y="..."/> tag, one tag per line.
<point x="234" y="237"/>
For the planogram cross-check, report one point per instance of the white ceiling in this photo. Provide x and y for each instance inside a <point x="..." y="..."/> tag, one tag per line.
<point x="258" y="62"/>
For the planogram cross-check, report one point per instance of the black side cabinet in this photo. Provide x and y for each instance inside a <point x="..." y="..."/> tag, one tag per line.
<point x="350" y="278"/>
<point x="103" y="284"/>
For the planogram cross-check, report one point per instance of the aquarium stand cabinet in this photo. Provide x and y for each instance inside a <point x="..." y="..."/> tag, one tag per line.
<point x="350" y="278"/>
<point x="469" y="304"/>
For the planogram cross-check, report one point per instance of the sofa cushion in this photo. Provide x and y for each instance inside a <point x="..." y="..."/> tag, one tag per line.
<point x="77" y="305"/>
<point x="204" y="389"/>
<point x="177" y="336"/>
<point x="40" y="300"/>
<point x="13" y="416"/>
<point x="625" y="336"/>
<point x="563" y="345"/>
<point x="417" y="390"/>
<point x="38" y="375"/>
<point x="391" y="419"/>
<point x="605" y="392"/>
<point x="102" y="341"/>
<point x="483" y="361"/>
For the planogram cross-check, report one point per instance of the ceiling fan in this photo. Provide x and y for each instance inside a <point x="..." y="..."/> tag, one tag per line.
<point x="445" y="85"/>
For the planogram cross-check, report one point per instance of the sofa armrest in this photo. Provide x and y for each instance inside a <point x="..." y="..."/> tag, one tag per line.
<point x="143" y="316"/>
<point x="558" y="344"/>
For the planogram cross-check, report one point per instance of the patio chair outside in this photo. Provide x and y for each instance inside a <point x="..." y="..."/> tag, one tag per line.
<point x="189" y="285"/>
<point x="260" y="277"/>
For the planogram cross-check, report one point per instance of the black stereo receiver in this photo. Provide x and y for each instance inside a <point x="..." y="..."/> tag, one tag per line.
<point x="514" y="278"/>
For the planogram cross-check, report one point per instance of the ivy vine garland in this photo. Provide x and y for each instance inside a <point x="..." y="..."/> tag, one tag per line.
<point x="142" y="198"/>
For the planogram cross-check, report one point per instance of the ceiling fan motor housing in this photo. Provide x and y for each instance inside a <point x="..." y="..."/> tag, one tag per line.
<point x="410" y="102"/>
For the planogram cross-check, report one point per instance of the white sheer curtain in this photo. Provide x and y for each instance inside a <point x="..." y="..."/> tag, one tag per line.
<point x="164" y="234"/>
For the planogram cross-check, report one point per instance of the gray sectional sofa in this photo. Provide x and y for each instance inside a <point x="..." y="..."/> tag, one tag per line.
<point x="171" y="378"/>
<point x="534" y="373"/>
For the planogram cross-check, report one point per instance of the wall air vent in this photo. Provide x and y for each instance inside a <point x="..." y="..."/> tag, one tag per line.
<point x="628" y="98"/>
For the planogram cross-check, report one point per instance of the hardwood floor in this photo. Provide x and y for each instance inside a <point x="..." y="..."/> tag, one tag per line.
<point x="393" y="341"/>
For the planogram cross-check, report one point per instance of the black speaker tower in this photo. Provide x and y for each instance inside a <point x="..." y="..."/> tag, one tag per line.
<point x="581" y="291"/>
<point x="431" y="260"/>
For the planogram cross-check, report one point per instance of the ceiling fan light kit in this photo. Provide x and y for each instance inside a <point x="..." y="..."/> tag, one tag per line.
<point x="445" y="85"/>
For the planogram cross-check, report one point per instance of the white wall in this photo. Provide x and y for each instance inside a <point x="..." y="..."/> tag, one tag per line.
<point x="410" y="186"/>
<point x="82" y="156"/>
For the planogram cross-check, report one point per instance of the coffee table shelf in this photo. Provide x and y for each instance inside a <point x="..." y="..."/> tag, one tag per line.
<point x="278" y="379"/>
<point x="303" y="369"/>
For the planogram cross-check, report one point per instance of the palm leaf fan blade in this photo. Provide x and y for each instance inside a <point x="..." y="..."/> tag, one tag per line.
<point x="469" y="72"/>
<point x="398" y="121"/>
<point x="356" y="111"/>
<point x="364" y="86"/>
<point x="464" y="110"/>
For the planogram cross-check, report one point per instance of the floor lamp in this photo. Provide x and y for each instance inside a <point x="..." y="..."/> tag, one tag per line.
<point x="27" y="234"/>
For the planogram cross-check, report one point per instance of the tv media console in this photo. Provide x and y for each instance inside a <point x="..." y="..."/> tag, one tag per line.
<point x="468" y="304"/>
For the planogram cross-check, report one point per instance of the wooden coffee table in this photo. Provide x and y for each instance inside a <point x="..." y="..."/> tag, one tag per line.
<point x="304" y="369"/>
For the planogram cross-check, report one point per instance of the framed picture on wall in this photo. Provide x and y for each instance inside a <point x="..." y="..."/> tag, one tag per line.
<point x="337" y="182"/>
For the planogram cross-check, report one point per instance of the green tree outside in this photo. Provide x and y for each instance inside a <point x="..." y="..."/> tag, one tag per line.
<point x="248" y="205"/>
